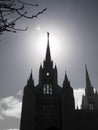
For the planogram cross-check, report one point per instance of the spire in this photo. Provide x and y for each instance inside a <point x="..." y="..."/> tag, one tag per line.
<point x="66" y="78"/>
<point x="31" y="81"/>
<point x="55" y="67"/>
<point x="89" y="88"/>
<point x="66" y="81"/>
<point x="40" y="66"/>
<point x="48" y="55"/>
<point x="31" y="77"/>
<point x="88" y="82"/>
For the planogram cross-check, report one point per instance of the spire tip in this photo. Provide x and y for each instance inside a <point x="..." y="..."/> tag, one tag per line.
<point x="48" y="34"/>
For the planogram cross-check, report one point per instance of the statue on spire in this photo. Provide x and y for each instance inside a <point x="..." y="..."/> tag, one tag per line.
<point x="48" y="35"/>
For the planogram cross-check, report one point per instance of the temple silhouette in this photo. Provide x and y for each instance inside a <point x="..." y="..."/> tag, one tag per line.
<point x="90" y="99"/>
<point x="50" y="106"/>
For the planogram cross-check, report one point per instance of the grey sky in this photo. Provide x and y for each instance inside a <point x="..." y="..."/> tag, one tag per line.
<point x="74" y="23"/>
<point x="74" y="20"/>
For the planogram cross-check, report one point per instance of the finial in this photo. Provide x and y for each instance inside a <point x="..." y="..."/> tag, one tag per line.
<point x="48" y="55"/>
<point x="48" y="35"/>
<point x="66" y="78"/>
<point x="86" y="66"/>
<point x="30" y="81"/>
<point x="55" y="66"/>
<point x="31" y="77"/>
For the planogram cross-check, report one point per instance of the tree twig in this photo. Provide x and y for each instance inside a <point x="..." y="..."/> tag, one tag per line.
<point x="8" y="8"/>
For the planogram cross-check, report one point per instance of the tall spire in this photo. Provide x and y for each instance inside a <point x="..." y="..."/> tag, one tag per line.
<point x="48" y="55"/>
<point x="66" y="82"/>
<point x="31" y="77"/>
<point x="88" y="82"/>
<point x="30" y="80"/>
<point x="89" y="88"/>
<point x="66" y="78"/>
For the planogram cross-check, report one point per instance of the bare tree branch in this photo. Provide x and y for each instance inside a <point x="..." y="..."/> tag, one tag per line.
<point x="33" y="16"/>
<point x="28" y="3"/>
<point x="16" y="8"/>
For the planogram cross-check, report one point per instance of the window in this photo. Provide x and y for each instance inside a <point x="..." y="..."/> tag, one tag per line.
<point x="44" y="89"/>
<point x="47" y="89"/>
<point x="91" y="106"/>
<point x="50" y="89"/>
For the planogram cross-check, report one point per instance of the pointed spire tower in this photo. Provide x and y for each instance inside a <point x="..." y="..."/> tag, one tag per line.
<point x="88" y="82"/>
<point x="48" y="55"/>
<point x="47" y="72"/>
<point x="31" y="77"/>
<point x="89" y="88"/>
<point x="66" y="82"/>
<point x="88" y="101"/>
<point x="68" y="99"/>
<point x="30" y="80"/>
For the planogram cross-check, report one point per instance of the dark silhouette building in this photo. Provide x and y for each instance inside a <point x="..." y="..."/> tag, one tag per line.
<point x="90" y="99"/>
<point x="50" y="106"/>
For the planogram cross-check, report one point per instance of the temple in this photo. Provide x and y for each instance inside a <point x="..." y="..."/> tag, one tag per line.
<point x="50" y="106"/>
<point x="90" y="99"/>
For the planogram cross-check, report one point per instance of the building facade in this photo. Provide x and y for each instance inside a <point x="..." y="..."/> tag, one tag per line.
<point x="49" y="105"/>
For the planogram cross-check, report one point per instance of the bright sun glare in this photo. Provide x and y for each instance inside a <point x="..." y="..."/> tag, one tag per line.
<point x="53" y="42"/>
<point x="59" y="44"/>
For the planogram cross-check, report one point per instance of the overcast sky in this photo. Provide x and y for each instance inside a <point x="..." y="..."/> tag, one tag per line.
<point x="73" y="27"/>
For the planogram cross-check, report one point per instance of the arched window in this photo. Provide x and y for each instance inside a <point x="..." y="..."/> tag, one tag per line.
<point x="44" y="89"/>
<point x="47" y="89"/>
<point x="50" y="89"/>
<point x="91" y="106"/>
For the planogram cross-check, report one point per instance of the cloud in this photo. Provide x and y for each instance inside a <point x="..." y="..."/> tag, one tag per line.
<point x="10" y="107"/>
<point x="1" y="117"/>
<point x="19" y="93"/>
<point x="78" y="97"/>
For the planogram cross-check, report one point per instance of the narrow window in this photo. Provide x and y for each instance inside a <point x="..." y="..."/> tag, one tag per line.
<point x="50" y="89"/>
<point x="44" y="89"/>
<point x="47" y="89"/>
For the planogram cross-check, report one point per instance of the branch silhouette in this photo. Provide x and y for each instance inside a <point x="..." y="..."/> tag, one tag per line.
<point x="18" y="8"/>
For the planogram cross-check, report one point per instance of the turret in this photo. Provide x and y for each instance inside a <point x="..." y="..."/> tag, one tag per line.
<point x="30" y="81"/>
<point x="68" y="104"/>
<point x="29" y="88"/>
<point x="28" y="107"/>
<point x="66" y="82"/>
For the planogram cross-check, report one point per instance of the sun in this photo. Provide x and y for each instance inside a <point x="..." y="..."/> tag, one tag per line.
<point x="60" y="46"/>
